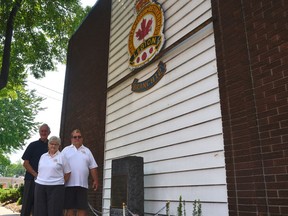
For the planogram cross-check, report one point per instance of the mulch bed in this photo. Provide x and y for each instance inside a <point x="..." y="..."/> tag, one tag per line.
<point x="12" y="206"/>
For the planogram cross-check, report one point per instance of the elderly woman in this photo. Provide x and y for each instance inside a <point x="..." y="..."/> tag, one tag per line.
<point x="53" y="172"/>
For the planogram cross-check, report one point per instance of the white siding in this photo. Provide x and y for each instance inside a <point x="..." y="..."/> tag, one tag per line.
<point x="176" y="126"/>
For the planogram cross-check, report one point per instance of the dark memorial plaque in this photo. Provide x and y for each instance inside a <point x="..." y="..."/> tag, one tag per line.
<point x="119" y="191"/>
<point x="127" y="186"/>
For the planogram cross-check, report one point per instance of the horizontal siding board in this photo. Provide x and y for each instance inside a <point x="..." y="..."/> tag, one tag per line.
<point x="206" y="193"/>
<point x="210" y="96"/>
<point x="209" y="193"/>
<point x="193" y="162"/>
<point x="180" y="22"/>
<point x="169" y="124"/>
<point x="178" y="7"/>
<point x="120" y="36"/>
<point x="186" y="134"/>
<point x="106" y="206"/>
<point x="107" y="183"/>
<point x="122" y="43"/>
<point x="166" y="152"/>
<point x="107" y="193"/>
<point x="128" y="124"/>
<point x="119" y="111"/>
<point x="120" y="18"/>
<point x="133" y="120"/>
<point x="198" y="177"/>
<point x="175" y="15"/>
<point x="121" y="67"/>
<point x="156" y="102"/>
<point x="118" y="9"/>
<point x="186" y="29"/>
<point x="120" y="58"/>
<point x="210" y="209"/>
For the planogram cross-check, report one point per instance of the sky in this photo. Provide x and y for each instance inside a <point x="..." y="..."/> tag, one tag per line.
<point x="51" y="88"/>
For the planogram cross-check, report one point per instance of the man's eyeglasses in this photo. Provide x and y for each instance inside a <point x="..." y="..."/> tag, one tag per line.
<point x="77" y="137"/>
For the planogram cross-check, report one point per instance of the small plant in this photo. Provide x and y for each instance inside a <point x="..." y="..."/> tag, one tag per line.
<point x="168" y="208"/>
<point x="184" y="208"/>
<point x="197" y="208"/>
<point x="181" y="207"/>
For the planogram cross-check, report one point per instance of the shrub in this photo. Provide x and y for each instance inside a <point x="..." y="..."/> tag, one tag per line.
<point x="9" y="195"/>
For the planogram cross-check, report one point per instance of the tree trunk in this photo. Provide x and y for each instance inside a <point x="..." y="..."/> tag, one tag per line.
<point x="7" y="45"/>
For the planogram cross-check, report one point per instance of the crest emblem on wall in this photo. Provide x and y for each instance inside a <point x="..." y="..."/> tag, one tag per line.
<point x="146" y="37"/>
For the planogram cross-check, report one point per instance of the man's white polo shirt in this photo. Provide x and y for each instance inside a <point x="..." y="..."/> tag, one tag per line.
<point x="81" y="161"/>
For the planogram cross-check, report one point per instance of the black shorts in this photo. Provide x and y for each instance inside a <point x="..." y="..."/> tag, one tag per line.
<point x="76" y="198"/>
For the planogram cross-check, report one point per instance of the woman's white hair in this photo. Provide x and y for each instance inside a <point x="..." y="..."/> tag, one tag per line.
<point x="54" y="139"/>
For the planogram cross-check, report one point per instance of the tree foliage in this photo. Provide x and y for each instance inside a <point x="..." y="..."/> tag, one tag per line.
<point x="8" y="169"/>
<point x="41" y="30"/>
<point x="17" y="119"/>
<point x="15" y="169"/>
<point x="4" y="163"/>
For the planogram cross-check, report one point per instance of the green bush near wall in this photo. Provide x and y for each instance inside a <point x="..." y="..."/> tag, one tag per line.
<point x="11" y="195"/>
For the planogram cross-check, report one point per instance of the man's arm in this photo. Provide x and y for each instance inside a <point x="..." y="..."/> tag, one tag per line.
<point x="94" y="174"/>
<point x="29" y="168"/>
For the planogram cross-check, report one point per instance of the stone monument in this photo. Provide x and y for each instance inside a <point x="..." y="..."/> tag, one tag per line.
<point x="127" y="186"/>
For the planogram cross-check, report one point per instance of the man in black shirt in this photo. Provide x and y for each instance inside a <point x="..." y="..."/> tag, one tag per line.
<point x="31" y="159"/>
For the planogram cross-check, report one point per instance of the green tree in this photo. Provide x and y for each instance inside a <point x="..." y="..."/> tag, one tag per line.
<point x="4" y="163"/>
<point x="17" y="119"/>
<point x="15" y="170"/>
<point x="34" y="36"/>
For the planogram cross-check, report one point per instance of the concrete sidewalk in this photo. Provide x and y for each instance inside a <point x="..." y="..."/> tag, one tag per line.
<point x="7" y="212"/>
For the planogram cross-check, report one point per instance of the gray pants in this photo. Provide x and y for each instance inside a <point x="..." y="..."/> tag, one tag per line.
<point x="49" y="200"/>
<point x="28" y="198"/>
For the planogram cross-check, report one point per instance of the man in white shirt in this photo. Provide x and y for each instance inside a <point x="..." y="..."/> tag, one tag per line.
<point x="81" y="162"/>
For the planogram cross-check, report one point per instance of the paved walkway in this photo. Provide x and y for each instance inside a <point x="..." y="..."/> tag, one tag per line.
<point x="7" y="212"/>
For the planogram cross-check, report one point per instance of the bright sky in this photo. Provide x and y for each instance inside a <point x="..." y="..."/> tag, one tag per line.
<point x="51" y="87"/>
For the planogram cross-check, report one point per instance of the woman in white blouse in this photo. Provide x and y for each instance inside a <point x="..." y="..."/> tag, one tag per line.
<point x="53" y="172"/>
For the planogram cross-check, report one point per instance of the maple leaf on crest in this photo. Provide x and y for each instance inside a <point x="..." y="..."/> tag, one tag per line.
<point x="144" y="30"/>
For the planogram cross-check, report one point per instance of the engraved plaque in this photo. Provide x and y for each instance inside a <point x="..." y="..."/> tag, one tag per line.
<point x="127" y="186"/>
<point x="118" y="191"/>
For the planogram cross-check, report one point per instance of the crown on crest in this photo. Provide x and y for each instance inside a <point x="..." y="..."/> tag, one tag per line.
<point x="140" y="4"/>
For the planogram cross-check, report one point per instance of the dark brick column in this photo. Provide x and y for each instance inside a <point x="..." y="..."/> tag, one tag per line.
<point x="252" y="59"/>
<point x="84" y="100"/>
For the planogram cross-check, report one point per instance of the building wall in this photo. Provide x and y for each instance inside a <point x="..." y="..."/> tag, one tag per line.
<point x="84" y="100"/>
<point x="14" y="182"/>
<point x="214" y="128"/>
<point x="252" y="61"/>
<point x="176" y="126"/>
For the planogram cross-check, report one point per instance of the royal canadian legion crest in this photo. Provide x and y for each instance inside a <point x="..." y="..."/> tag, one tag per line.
<point x="146" y="36"/>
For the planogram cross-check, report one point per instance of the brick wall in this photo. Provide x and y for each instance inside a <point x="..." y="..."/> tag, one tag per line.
<point x="252" y="58"/>
<point x="84" y="101"/>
